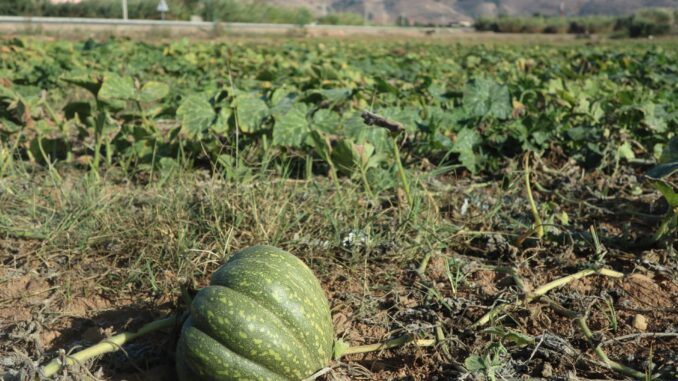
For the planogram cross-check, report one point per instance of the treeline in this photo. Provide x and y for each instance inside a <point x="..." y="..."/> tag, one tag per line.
<point x="643" y="23"/>
<point x="253" y="11"/>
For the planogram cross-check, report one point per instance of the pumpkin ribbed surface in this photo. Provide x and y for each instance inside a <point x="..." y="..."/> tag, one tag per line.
<point x="264" y="316"/>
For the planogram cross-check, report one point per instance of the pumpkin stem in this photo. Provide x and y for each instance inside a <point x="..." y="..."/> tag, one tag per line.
<point x="393" y="343"/>
<point x="111" y="344"/>
<point x="538" y="224"/>
<point x="186" y="296"/>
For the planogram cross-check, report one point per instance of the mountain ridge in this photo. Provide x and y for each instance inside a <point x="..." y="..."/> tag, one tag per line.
<point x="454" y="11"/>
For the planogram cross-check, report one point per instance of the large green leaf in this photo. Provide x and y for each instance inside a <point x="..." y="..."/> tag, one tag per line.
<point x="290" y="130"/>
<point x="466" y="141"/>
<point x="486" y="98"/>
<point x="153" y="91"/>
<point x="221" y="125"/>
<point x="196" y="115"/>
<point x="116" y="87"/>
<point x="654" y="116"/>
<point x="251" y="113"/>
<point x="327" y="121"/>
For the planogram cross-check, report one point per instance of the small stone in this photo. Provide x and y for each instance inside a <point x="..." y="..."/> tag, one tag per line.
<point x="640" y="322"/>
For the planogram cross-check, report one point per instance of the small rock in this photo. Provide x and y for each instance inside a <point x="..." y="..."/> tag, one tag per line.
<point x="640" y="322"/>
<point x="437" y="267"/>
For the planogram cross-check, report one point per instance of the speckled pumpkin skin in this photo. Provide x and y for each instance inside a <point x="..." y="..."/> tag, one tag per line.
<point x="263" y="317"/>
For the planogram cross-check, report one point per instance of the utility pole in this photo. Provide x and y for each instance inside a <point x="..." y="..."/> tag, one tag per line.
<point x="365" y="12"/>
<point x="124" y="9"/>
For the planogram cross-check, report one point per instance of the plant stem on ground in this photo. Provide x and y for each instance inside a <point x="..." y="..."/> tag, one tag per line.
<point x="106" y="346"/>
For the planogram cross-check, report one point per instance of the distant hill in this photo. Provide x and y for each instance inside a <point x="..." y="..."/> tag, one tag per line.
<point x="448" y="11"/>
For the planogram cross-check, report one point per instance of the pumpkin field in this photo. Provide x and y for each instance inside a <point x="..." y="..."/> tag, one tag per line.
<point x="494" y="210"/>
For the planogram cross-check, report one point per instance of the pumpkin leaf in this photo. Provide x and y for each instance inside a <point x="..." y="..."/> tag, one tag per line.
<point x="116" y="87"/>
<point x="153" y="91"/>
<point x="474" y="364"/>
<point x="466" y="141"/>
<point x="290" y="130"/>
<point x="196" y="115"/>
<point x="327" y="121"/>
<point x="334" y="95"/>
<point x="251" y="113"/>
<point x="486" y="98"/>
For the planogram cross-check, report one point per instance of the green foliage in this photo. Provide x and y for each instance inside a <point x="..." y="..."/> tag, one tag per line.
<point x="467" y="140"/>
<point x="252" y="11"/>
<point x="89" y="8"/>
<point x="646" y="22"/>
<point x="222" y="10"/>
<point x="659" y="175"/>
<point x="197" y="115"/>
<point x="485" y="98"/>
<point x="291" y="128"/>
<point x="130" y="104"/>
<point x="592" y="24"/>
<point x="488" y="364"/>
<point x="17" y="7"/>
<point x="341" y="18"/>
<point x="251" y="113"/>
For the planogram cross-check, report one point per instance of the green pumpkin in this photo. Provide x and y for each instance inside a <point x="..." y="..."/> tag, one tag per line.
<point x="264" y="316"/>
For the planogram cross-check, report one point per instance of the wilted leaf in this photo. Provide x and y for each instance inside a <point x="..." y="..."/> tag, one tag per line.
<point x="474" y="364"/>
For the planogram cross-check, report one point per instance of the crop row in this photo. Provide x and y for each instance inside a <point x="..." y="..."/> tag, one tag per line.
<point x="300" y="104"/>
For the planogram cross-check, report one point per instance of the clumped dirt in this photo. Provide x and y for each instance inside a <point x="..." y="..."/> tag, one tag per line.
<point x="377" y="294"/>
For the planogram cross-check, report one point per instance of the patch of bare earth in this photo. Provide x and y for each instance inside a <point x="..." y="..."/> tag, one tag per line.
<point x="376" y="293"/>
